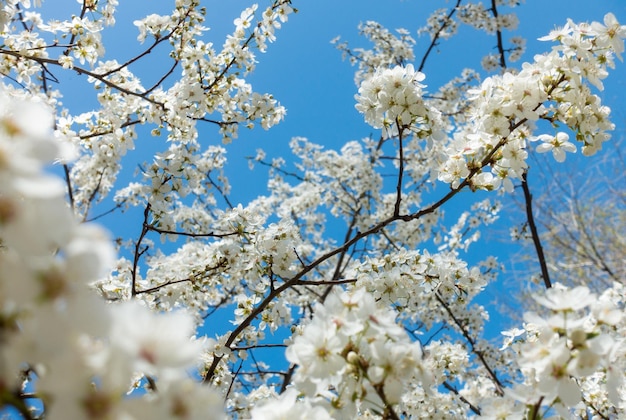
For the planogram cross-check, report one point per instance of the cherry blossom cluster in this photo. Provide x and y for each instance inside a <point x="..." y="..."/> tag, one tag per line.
<point x="210" y="82"/>
<point x="392" y="98"/>
<point x="439" y="25"/>
<point x="389" y="50"/>
<point x="354" y="358"/>
<point x="572" y="357"/>
<point x="554" y="88"/>
<point x="465" y="231"/>
<point x="476" y="15"/>
<point x="54" y="329"/>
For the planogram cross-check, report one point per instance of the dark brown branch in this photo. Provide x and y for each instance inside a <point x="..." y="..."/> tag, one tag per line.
<point x="494" y="12"/>
<point x="149" y="50"/>
<point x="279" y="170"/>
<point x="389" y="413"/>
<point x="534" y="413"/>
<point x="68" y="182"/>
<point x="168" y="283"/>
<point x="72" y="41"/>
<point x="162" y="79"/>
<point x="93" y="195"/>
<point x="258" y="346"/>
<point x="534" y="233"/>
<point x="221" y="264"/>
<point x="223" y="301"/>
<point x="342" y="256"/>
<point x="111" y="210"/>
<point x="232" y="382"/>
<point x="138" y="251"/>
<point x="219" y="123"/>
<point x="452" y="389"/>
<point x="219" y="190"/>
<point x="176" y="61"/>
<point x="596" y="410"/>
<point x="233" y="60"/>
<point x="86" y="72"/>
<point x="111" y="131"/>
<point x="287" y="378"/>
<point x="192" y="235"/>
<point x="396" y="207"/>
<point x="324" y="283"/>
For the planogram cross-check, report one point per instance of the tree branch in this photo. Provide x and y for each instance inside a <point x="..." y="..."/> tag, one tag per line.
<point x="494" y="12"/>
<point x="396" y="209"/>
<point x="535" y="234"/>
<point x="138" y="253"/>
<point x="472" y="407"/>
<point x="472" y="343"/>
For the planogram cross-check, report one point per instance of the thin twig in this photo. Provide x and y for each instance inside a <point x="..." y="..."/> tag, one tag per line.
<point x="138" y="251"/>
<point x="433" y="42"/>
<point x="190" y="234"/>
<point x="472" y="343"/>
<point x="455" y="391"/>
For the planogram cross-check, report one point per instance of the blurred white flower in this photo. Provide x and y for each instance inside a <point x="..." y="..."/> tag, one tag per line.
<point x="152" y="343"/>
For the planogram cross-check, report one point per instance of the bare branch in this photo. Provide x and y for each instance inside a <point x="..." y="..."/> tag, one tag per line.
<point x="535" y="234"/>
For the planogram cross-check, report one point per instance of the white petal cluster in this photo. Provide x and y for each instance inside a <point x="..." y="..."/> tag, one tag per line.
<point x="393" y="97"/>
<point x="555" y="88"/>
<point x="412" y="279"/>
<point x="53" y="326"/>
<point x="439" y="25"/>
<point x="289" y="406"/>
<point x="277" y="244"/>
<point x="209" y="86"/>
<point x="388" y="50"/>
<point x="571" y="354"/>
<point x="476" y="15"/>
<point x="354" y="357"/>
